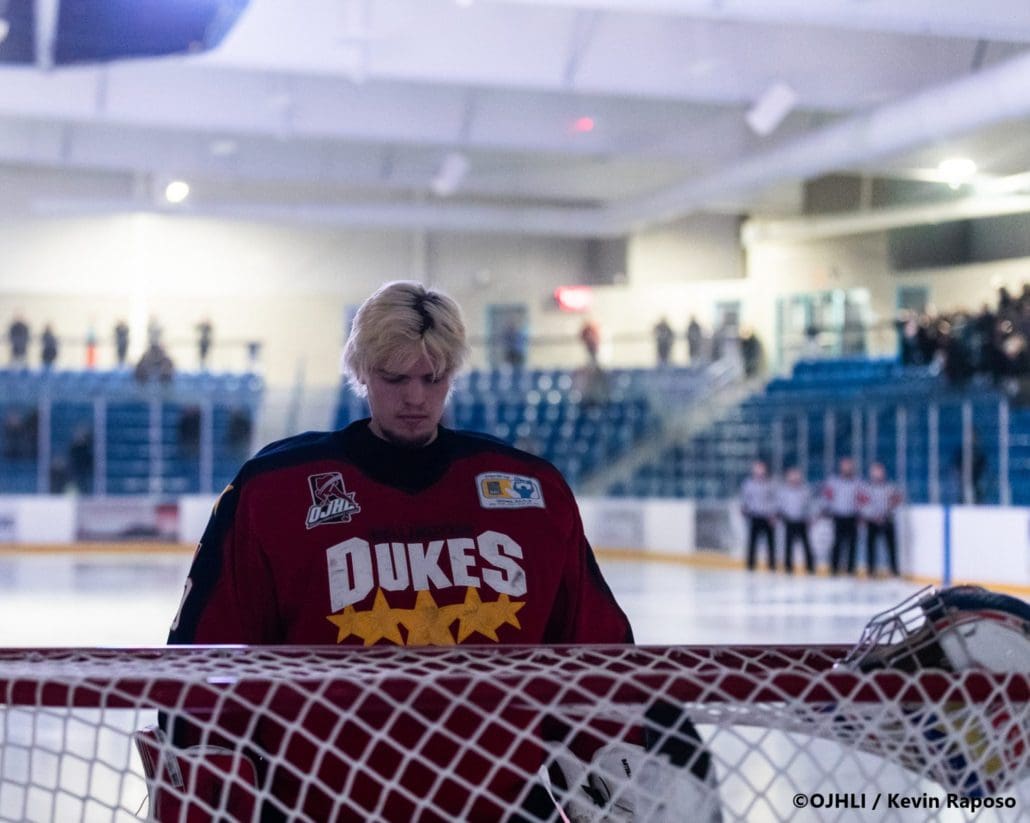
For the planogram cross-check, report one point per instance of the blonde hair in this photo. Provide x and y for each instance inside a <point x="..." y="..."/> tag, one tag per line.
<point x="400" y="322"/>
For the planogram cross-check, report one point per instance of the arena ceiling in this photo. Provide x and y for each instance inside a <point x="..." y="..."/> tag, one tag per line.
<point x="570" y="117"/>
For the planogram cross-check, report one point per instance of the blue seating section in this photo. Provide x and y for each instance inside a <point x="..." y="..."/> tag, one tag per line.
<point x="74" y="398"/>
<point x="827" y="399"/>
<point x="577" y="421"/>
<point x="19" y="425"/>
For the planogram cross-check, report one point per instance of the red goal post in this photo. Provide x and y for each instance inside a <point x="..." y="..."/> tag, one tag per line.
<point x="462" y="732"/>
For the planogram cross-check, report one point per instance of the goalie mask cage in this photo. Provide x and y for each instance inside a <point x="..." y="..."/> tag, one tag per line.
<point x="468" y="733"/>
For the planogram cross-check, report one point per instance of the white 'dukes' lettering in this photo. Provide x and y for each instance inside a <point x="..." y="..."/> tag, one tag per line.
<point x="461" y="561"/>
<point x="350" y="572"/>
<point x="499" y="550"/>
<point x="356" y="569"/>
<point x="425" y="565"/>
<point x="392" y="566"/>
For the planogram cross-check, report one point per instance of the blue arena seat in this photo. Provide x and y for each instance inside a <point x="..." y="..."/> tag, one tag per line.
<point x="713" y="462"/>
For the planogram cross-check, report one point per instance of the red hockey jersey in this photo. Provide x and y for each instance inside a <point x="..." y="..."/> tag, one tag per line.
<point x="342" y="537"/>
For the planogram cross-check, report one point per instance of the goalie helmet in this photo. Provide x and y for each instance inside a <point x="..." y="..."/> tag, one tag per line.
<point x="976" y="749"/>
<point x="958" y="628"/>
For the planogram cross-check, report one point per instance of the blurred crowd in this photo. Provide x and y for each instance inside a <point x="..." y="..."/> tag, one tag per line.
<point x="963" y="344"/>
<point x="705" y="347"/>
<point x="154" y="364"/>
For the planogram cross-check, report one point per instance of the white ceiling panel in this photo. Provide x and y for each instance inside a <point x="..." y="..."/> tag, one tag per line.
<point x="568" y="116"/>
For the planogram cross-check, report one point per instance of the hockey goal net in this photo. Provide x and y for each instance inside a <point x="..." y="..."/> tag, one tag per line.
<point x="467" y="733"/>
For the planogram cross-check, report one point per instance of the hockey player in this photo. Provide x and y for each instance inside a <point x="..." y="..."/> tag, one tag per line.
<point x="397" y="530"/>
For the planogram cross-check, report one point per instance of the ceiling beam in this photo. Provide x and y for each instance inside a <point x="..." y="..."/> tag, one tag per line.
<point x="1005" y="20"/>
<point x="583" y="27"/>
<point x="46" y="13"/>
<point x="433" y="215"/>
<point x="803" y="229"/>
<point x="990" y="96"/>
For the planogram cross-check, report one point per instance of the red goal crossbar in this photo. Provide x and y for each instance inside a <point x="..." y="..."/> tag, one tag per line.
<point x="163" y="677"/>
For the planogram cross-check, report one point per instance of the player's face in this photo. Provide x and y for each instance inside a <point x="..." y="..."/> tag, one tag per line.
<point x="407" y="405"/>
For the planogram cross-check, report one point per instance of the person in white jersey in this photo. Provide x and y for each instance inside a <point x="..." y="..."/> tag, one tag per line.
<point x="840" y="498"/>
<point x="878" y="499"/>
<point x="758" y="505"/>
<point x="794" y="503"/>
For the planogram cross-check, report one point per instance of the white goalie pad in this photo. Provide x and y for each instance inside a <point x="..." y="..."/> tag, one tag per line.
<point x="624" y="782"/>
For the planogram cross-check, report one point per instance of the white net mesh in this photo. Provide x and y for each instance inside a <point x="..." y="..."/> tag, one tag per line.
<point x="462" y="733"/>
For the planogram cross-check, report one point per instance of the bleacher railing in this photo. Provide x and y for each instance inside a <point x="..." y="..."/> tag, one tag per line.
<point x="101" y="432"/>
<point x="940" y="443"/>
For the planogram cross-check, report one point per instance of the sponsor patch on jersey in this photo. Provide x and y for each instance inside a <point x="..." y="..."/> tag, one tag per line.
<point x="508" y="491"/>
<point x="331" y="502"/>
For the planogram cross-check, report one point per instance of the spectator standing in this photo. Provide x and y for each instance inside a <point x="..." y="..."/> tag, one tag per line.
<point x="958" y="365"/>
<point x="155" y="364"/>
<point x="513" y="346"/>
<point x="907" y="325"/>
<point x="204" y="334"/>
<point x="695" y="340"/>
<point x="58" y="475"/>
<point x="154" y="332"/>
<point x="18" y="336"/>
<point x="664" y="337"/>
<point x="751" y="352"/>
<point x="590" y="334"/>
<point x="49" y="347"/>
<point x="91" y="347"/>
<point x="977" y="473"/>
<point x="253" y="356"/>
<point x="982" y="337"/>
<point x="1006" y="305"/>
<point x="877" y="501"/>
<point x="80" y="459"/>
<point x="840" y="497"/>
<point x="758" y="505"/>
<point x="121" y="342"/>
<point x="926" y="339"/>
<point x="794" y="505"/>
<point x="810" y="348"/>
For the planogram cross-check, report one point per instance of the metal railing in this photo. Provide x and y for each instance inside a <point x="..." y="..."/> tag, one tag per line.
<point x="79" y="432"/>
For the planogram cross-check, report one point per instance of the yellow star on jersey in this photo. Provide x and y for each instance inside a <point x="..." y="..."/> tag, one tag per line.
<point x="344" y="622"/>
<point x="379" y="623"/>
<point x="486" y="618"/>
<point x="429" y="624"/>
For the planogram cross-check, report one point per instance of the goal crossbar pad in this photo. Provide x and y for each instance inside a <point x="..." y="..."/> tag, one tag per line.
<point x="322" y="733"/>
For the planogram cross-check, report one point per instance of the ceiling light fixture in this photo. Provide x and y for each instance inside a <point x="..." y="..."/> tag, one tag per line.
<point x="956" y="170"/>
<point x="5" y="28"/>
<point x="452" y="172"/>
<point x="223" y="147"/>
<point x="774" y="104"/>
<point x="177" y="191"/>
